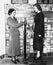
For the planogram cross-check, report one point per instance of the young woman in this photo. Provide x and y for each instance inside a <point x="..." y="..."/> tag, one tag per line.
<point x="14" y="42"/>
<point x="38" y="31"/>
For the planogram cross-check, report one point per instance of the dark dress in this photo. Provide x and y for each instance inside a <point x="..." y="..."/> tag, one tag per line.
<point x="14" y="41"/>
<point x="38" y="41"/>
<point x="38" y="30"/>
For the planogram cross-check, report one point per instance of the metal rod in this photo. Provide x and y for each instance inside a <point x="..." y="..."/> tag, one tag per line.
<point x="25" y="40"/>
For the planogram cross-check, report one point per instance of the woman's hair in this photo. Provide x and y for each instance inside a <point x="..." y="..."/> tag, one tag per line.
<point x="38" y="6"/>
<point x="10" y="11"/>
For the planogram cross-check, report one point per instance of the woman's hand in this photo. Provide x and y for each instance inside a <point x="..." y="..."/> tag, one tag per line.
<point x="25" y="21"/>
<point x="39" y="35"/>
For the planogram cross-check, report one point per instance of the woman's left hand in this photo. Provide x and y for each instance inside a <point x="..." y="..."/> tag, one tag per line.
<point x="25" y="22"/>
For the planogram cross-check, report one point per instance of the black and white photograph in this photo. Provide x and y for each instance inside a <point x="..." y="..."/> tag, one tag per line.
<point x="26" y="32"/>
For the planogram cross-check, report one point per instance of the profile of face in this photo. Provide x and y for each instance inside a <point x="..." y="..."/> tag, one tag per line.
<point x="36" y="9"/>
<point x="13" y="13"/>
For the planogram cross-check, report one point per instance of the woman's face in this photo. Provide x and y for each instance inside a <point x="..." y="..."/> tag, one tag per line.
<point x="13" y="13"/>
<point x="36" y="9"/>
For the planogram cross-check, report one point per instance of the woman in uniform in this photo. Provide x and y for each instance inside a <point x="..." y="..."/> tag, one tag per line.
<point x="14" y="41"/>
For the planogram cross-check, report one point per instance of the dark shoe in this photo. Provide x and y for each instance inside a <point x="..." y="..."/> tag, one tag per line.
<point x="18" y="60"/>
<point x="34" y="58"/>
<point x="14" y="61"/>
<point x="38" y="58"/>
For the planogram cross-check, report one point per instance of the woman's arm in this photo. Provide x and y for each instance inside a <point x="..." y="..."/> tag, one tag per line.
<point x="36" y="18"/>
<point x="11" y="23"/>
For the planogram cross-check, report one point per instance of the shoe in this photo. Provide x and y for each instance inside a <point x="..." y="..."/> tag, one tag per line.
<point x="14" y="61"/>
<point x="18" y="60"/>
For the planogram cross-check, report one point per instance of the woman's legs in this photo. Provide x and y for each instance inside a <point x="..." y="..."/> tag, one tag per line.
<point x="17" y="59"/>
<point x="13" y="59"/>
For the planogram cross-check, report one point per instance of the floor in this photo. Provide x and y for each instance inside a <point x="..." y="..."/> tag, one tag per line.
<point x="7" y="61"/>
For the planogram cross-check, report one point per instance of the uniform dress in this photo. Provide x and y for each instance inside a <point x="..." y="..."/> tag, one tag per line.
<point x="39" y="40"/>
<point x="14" y="41"/>
<point x="38" y="30"/>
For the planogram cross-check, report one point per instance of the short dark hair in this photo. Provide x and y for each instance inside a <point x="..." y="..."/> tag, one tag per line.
<point x="38" y="6"/>
<point x="10" y="11"/>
